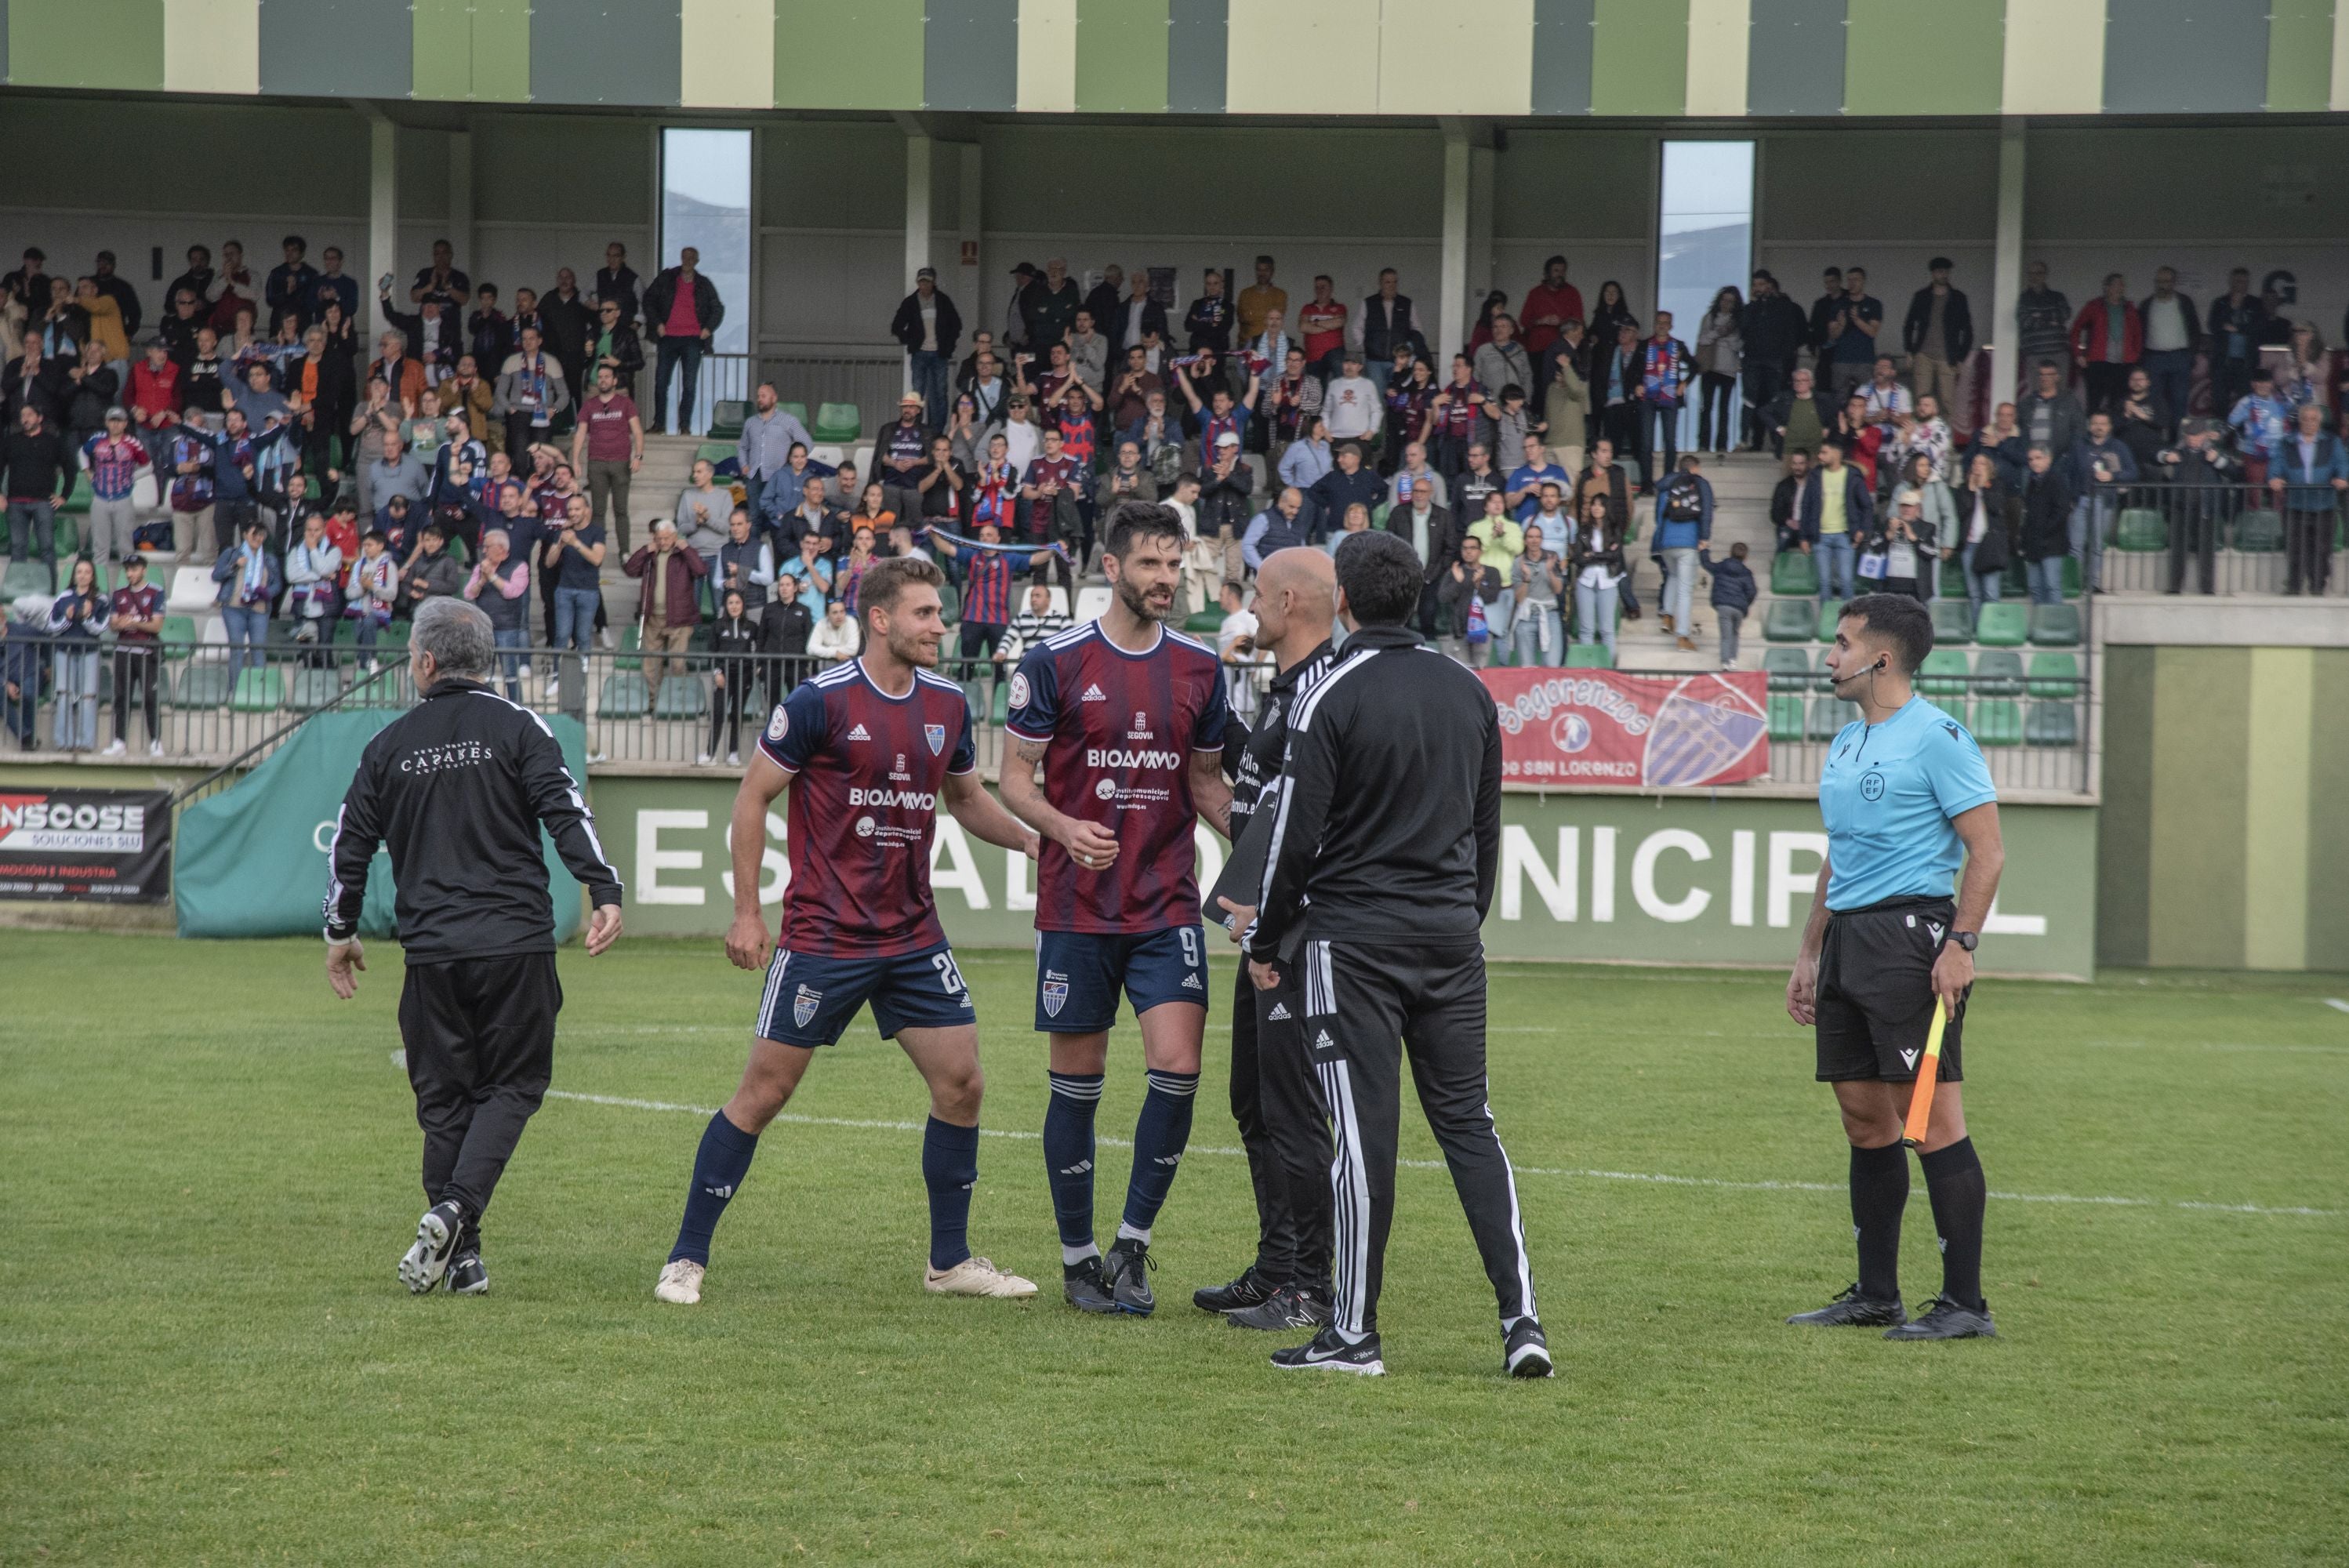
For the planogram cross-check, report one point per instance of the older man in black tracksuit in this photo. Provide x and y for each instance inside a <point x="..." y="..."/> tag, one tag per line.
<point x="1276" y="1098"/>
<point x="1386" y="838"/>
<point x="457" y="790"/>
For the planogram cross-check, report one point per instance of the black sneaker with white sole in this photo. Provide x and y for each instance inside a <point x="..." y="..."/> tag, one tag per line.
<point x="1850" y="1309"/>
<point x="1945" y="1320"/>
<point x="436" y="1245"/>
<point x="466" y="1276"/>
<point x="1524" y="1351"/>
<point x="1327" y="1352"/>
<point x="1288" y="1307"/>
<point x="1081" y="1282"/>
<point x="1125" y="1275"/>
<point x="1251" y="1289"/>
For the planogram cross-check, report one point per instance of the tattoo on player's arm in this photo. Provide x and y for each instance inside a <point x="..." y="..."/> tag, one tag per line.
<point x="1032" y="752"/>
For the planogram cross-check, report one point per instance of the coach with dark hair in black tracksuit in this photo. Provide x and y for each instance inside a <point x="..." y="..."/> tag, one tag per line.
<point x="1386" y="839"/>
<point x="457" y="789"/>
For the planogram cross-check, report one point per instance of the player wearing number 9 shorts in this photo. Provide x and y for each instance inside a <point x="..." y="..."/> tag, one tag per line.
<point x="1126" y="719"/>
<point x="867" y="750"/>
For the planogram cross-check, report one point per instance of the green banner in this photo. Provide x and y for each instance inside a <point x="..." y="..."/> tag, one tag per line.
<point x="1672" y="881"/>
<point x="252" y="859"/>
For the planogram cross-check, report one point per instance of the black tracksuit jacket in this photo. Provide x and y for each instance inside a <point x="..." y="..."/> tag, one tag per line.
<point x="1387" y="817"/>
<point x="456" y="788"/>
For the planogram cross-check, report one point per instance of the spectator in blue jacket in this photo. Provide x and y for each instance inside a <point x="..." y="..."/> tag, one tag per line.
<point x="1836" y="512"/>
<point x="1684" y="528"/>
<point x="1734" y="593"/>
<point x="2100" y="465"/>
<point x="1344" y="486"/>
<point x="2310" y="473"/>
<point x="250" y="580"/>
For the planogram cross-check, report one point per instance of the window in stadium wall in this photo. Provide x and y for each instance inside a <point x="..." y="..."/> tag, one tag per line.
<point x="705" y="203"/>
<point x="1705" y="243"/>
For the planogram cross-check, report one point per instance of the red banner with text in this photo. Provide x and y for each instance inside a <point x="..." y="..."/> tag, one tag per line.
<point x="1562" y="726"/>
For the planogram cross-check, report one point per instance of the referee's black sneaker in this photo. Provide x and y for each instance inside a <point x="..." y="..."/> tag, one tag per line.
<point x="1081" y="1282"/>
<point x="1288" y="1307"/>
<point x="1251" y="1289"/>
<point x="1125" y="1275"/>
<point x="1327" y="1352"/>
<point x="436" y="1245"/>
<point x="1945" y="1320"/>
<point x="466" y="1276"/>
<point x="1850" y="1309"/>
<point x="1524" y="1351"/>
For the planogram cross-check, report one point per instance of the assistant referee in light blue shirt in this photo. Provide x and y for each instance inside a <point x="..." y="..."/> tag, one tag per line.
<point x="1910" y="806"/>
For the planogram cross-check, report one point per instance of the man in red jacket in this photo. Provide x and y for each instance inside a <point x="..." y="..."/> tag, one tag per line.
<point x="155" y="388"/>
<point x="2107" y="340"/>
<point x="1549" y="306"/>
<point x="671" y="605"/>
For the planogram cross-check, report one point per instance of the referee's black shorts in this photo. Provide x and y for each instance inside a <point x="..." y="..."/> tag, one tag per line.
<point x="1876" y="992"/>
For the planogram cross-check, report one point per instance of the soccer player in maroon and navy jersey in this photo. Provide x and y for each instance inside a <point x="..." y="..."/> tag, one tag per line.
<point x="868" y="750"/>
<point x="1127" y="719"/>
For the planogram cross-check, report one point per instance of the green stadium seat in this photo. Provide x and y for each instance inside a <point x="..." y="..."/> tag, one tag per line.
<point x="313" y="689"/>
<point x="2052" y="724"/>
<point x="202" y="686"/>
<point x="2140" y="528"/>
<point x="726" y="417"/>
<point x="1001" y="713"/>
<point x="1998" y="672"/>
<point x="632" y="643"/>
<point x="2071" y="583"/>
<point x="1786" y="719"/>
<point x="2004" y="625"/>
<point x="2259" y="532"/>
<point x="715" y="452"/>
<point x="25" y="577"/>
<point x="2016" y="583"/>
<point x="1588" y="657"/>
<point x="796" y="410"/>
<point x="949" y="603"/>
<point x="1794" y="575"/>
<point x="1997" y="721"/>
<point x="77" y="504"/>
<point x="625" y="694"/>
<point x="1206" y="623"/>
<point x="2056" y="625"/>
<point x="259" y="690"/>
<point x="1789" y="669"/>
<point x="1943" y="673"/>
<point x="1953" y="580"/>
<point x="1831" y="612"/>
<point x="1953" y="619"/>
<point x="837" y="422"/>
<point x="2054" y="676"/>
<point x="178" y="637"/>
<point x="1828" y="717"/>
<point x="1789" y="621"/>
<point x="394" y="635"/>
<point x="680" y="696"/>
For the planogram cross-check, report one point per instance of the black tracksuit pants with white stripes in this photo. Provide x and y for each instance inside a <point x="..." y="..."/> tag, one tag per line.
<point x="1364" y="1004"/>
<point x="1285" y="1127"/>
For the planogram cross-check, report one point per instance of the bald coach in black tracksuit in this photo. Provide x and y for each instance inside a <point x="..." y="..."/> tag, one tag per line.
<point x="1385" y="842"/>
<point x="457" y="789"/>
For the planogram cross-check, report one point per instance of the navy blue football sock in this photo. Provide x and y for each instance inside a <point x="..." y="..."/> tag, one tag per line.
<point x="1954" y="1182"/>
<point x="718" y="1172"/>
<point x="1879" y="1192"/>
<point x="1069" y="1159"/>
<point x="1160" y="1134"/>
<point x="949" y="1170"/>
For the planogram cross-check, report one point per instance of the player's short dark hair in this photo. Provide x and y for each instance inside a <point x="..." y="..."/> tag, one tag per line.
<point x="1135" y="520"/>
<point x="883" y="582"/>
<point x="1381" y="576"/>
<point x="1901" y="620"/>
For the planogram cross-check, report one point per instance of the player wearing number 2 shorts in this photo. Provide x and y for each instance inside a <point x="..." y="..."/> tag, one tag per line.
<point x="1126" y="718"/>
<point x="867" y="749"/>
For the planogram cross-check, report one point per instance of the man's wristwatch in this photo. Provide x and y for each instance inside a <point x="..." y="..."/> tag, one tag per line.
<point x="1966" y="939"/>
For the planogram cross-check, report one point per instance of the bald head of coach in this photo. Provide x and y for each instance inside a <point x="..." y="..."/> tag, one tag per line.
<point x="457" y="789"/>
<point x="1385" y="842"/>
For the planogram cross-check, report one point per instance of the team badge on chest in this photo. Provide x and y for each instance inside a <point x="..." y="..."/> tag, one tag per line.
<point x="935" y="734"/>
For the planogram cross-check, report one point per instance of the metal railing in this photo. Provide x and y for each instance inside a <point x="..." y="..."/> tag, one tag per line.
<point x="870" y="379"/>
<point x="2220" y="539"/>
<point x="2031" y="712"/>
<point x="723" y="377"/>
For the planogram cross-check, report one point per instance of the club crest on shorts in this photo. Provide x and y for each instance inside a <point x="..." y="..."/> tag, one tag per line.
<point x="1056" y="996"/>
<point x="804" y="1005"/>
<point x="780" y="725"/>
<point x="935" y="734"/>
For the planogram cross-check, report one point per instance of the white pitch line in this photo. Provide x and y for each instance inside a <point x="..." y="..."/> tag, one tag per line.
<point x="1593" y="1175"/>
<point x="2336" y="1003"/>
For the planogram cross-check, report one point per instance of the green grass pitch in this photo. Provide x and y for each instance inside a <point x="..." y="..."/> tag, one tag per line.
<point x="204" y="1358"/>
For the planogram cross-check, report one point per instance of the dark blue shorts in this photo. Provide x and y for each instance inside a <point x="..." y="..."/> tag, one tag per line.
<point x="1080" y="973"/>
<point x="810" y="999"/>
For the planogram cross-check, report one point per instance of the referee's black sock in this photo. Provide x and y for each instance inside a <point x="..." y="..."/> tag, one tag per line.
<point x="1953" y="1180"/>
<point x="1879" y="1192"/>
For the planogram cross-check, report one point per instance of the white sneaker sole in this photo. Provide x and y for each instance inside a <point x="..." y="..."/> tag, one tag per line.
<point x="1530" y="1354"/>
<point x="985" y="1287"/>
<point x="1359" y="1369"/>
<point x="429" y="1258"/>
